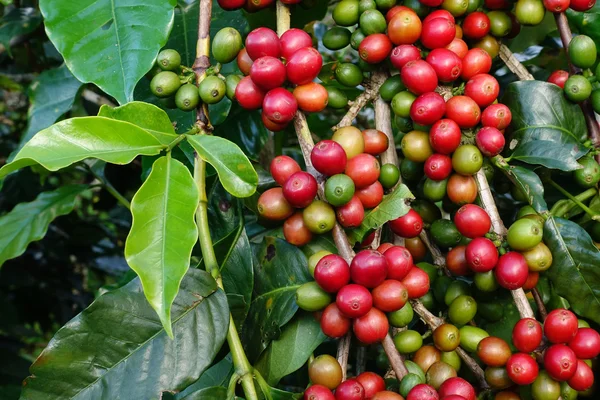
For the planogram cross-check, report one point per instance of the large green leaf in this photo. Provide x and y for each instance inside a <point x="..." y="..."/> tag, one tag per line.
<point x="574" y="271"/>
<point x="217" y="375"/>
<point x="209" y="393"/>
<point x="163" y="233"/>
<point x="75" y="139"/>
<point x="19" y="21"/>
<point x="28" y="222"/>
<point x="147" y="116"/>
<point x="118" y="349"/>
<point x="554" y="127"/>
<point x="528" y="182"/>
<point x="246" y="129"/>
<point x="291" y="350"/>
<point x="588" y="23"/>
<point x="111" y="43"/>
<point x="393" y="206"/>
<point x="238" y="278"/>
<point x="280" y="270"/>
<point x="236" y="173"/>
<point x="51" y="95"/>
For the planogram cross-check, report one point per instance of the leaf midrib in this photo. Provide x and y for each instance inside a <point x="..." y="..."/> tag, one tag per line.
<point x="119" y="49"/>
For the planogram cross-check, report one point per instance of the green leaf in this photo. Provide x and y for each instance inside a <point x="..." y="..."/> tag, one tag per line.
<point x="236" y="173"/>
<point x="290" y="352"/>
<point x="244" y="128"/>
<point x="555" y="126"/>
<point x="51" y="95"/>
<point x="574" y="271"/>
<point x="528" y="182"/>
<point x="238" y="278"/>
<point x="118" y="349"/>
<point x="147" y="116"/>
<point x="28" y="222"/>
<point x="75" y="139"/>
<point x="277" y="394"/>
<point x="163" y="233"/>
<point x="19" y="21"/>
<point x="533" y="35"/>
<point x="111" y="43"/>
<point x="209" y="393"/>
<point x="280" y="270"/>
<point x="587" y="23"/>
<point x="217" y="375"/>
<point x="393" y="206"/>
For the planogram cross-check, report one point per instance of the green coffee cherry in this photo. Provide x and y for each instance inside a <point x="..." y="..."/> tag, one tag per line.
<point x="165" y="84"/>
<point x="356" y="38"/>
<point x="212" y="90"/>
<point x="582" y="51"/>
<point x="346" y="13"/>
<point x="391" y="87"/>
<point x="348" y="74"/>
<point x="470" y="336"/>
<point x="226" y="45"/>
<point x="578" y="88"/>
<point x="337" y="99"/>
<point x="589" y="175"/>
<point x="187" y="97"/>
<point x="389" y="175"/>
<point x="169" y="60"/>
<point x="310" y="297"/>
<point x="339" y="190"/>
<point x="231" y="82"/>
<point x="336" y="38"/>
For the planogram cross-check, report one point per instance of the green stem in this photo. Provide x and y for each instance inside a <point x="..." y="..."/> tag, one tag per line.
<point x="564" y="207"/>
<point x="110" y="189"/>
<point x="176" y="141"/>
<point x="588" y="211"/>
<point x="240" y="361"/>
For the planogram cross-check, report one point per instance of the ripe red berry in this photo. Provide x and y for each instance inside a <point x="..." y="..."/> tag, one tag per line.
<point x="282" y="167"/>
<point x="532" y="280"/>
<point x="437" y="32"/>
<point x="456" y="261"/>
<point x="556" y="6"/>
<point x="371" y="382"/>
<point x="279" y="105"/>
<point x="317" y="392"/>
<point x="428" y="108"/>
<point x="350" y="389"/>
<point x="300" y="189"/>
<point x="390" y="296"/>
<point x="351" y="214"/>
<point x="273" y="206"/>
<point x="457" y="386"/>
<point x="375" y="48"/>
<point x="511" y="271"/>
<point x="585" y="344"/>
<point x="376" y="142"/>
<point x="328" y="157"/>
<point x="497" y="116"/>
<point x="363" y="169"/>
<point x="583" y="378"/>
<point x="248" y="95"/>
<point x="403" y="54"/>
<point x="439" y="14"/>
<point x="332" y="273"/>
<point x="481" y="255"/>
<point x="230" y="5"/>
<point x="416" y="283"/>
<point x="293" y="40"/>
<point x="438" y="167"/>
<point x="370" y="196"/>
<point x="560" y="362"/>
<point x="483" y="88"/>
<point x="444" y="136"/>
<point x="333" y="323"/>
<point x="476" y="25"/>
<point x="582" y="5"/>
<point x="272" y="125"/>
<point x="476" y="61"/>
<point x="490" y="141"/>
<point x="560" y="326"/>
<point x="472" y="221"/>
<point x="458" y="47"/>
<point x="464" y="111"/>
<point x="371" y="327"/>
<point x="446" y="63"/>
<point x="527" y="335"/>
<point x="422" y="391"/>
<point x="522" y="369"/>
<point x="304" y="66"/>
<point x="408" y="226"/>
<point x="295" y="230"/>
<point x="263" y="42"/>
<point x="399" y="261"/>
<point x="559" y="77"/>
<point x="267" y="72"/>
<point x="419" y="77"/>
<point x="354" y="300"/>
<point x="368" y="268"/>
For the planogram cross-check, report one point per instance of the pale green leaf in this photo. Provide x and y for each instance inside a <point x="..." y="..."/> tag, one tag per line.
<point x="163" y="233"/>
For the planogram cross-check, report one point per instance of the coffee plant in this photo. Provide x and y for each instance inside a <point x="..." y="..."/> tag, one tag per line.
<point x="300" y="199"/>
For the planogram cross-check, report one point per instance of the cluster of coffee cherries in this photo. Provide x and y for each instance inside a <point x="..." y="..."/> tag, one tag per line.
<point x="580" y="87"/>
<point x="355" y="182"/>
<point x="251" y="5"/>
<point x="266" y="73"/>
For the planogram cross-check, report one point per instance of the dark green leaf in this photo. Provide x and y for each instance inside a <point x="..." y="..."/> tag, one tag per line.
<point x="76" y="139"/>
<point x="277" y="394"/>
<point x="244" y="128"/>
<point x="238" y="278"/>
<point x="209" y="393"/>
<point x="28" y="222"/>
<point x="281" y="269"/>
<point x="291" y="350"/>
<point x="235" y="171"/>
<point x="146" y="116"/>
<point x="51" y="95"/>
<point x="553" y="119"/>
<point x="112" y="44"/>
<point x="118" y="349"/>
<point x="163" y="233"/>
<point x="528" y="182"/>
<point x="587" y="23"/>
<point x="533" y="35"/>
<point x="299" y="16"/>
<point x="217" y="375"/>
<point x="19" y="21"/>
<point x="393" y="206"/>
<point x="574" y="271"/>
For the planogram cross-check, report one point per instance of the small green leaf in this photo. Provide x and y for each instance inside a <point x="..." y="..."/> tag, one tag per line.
<point x="236" y="173"/>
<point x="217" y="375"/>
<point x="393" y="206"/>
<point x="280" y="270"/>
<point x="291" y="350"/>
<point x="28" y="222"/>
<point x="118" y="349"/>
<point x="111" y="43"/>
<point x="19" y="21"/>
<point x="147" y="116"/>
<point x="163" y="233"/>
<point x="546" y="153"/>
<point x="209" y="393"/>
<point x="76" y="139"/>
<point x="587" y="23"/>
<point x="574" y="271"/>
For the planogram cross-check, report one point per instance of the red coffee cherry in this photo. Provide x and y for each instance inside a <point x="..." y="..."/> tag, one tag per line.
<point x="354" y="300"/>
<point x="582" y="5"/>
<point x="279" y="105"/>
<point x="464" y="111"/>
<point x="511" y="271"/>
<point x="282" y="167"/>
<point x="263" y="42"/>
<point x="527" y="335"/>
<point x="446" y="63"/>
<point x="439" y="14"/>
<point x="458" y="47"/>
<point x="444" y="136"/>
<point x="522" y="369"/>
<point x="497" y="116"/>
<point x="560" y="362"/>
<point x="490" y="141"/>
<point x="376" y="142"/>
<point x="416" y="282"/>
<point x="271" y="125"/>
<point x="559" y="77"/>
<point x="267" y="72"/>
<point x="328" y="157"/>
<point x="333" y="323"/>
<point x="350" y="389"/>
<point x="371" y="382"/>
<point x="230" y="5"/>
<point x="293" y="40"/>
<point x="409" y="225"/>
<point x="317" y="392"/>
<point x="304" y="66"/>
<point x="403" y="54"/>
<point x="405" y="27"/>
<point x="375" y="48"/>
<point x="481" y="255"/>
<point x="244" y="62"/>
<point x="390" y="296"/>
<point x="363" y="169"/>
<point x="493" y="351"/>
<point x="437" y="32"/>
<point x="371" y="327"/>
<point x="422" y="391"/>
<point x="457" y="386"/>
<point x="273" y="206"/>
<point x="368" y="268"/>
<point x="300" y="189"/>
<point x="476" y="61"/>
<point x="419" y="77"/>
<point x="311" y="97"/>
<point x="456" y="261"/>
<point x="438" y="167"/>
<point x="556" y="6"/>
<point x="472" y="221"/>
<point x="583" y="378"/>
<point x="248" y="95"/>
<point x="399" y="261"/>
<point x="476" y="25"/>
<point x="585" y="344"/>
<point x="370" y="196"/>
<point x="483" y="88"/>
<point x="295" y="231"/>
<point x="332" y="273"/>
<point x="351" y="214"/>
<point x="428" y="108"/>
<point x="560" y="326"/>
